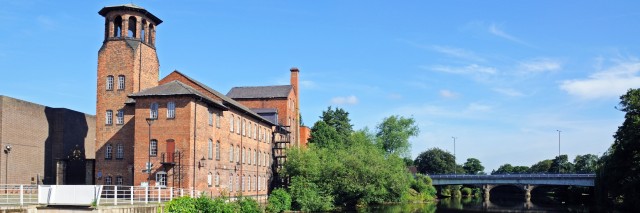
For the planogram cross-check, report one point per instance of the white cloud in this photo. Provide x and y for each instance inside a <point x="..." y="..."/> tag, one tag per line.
<point x="349" y="100"/>
<point x="540" y="65"/>
<point x="508" y="92"/>
<point x="457" y="52"/>
<point x="608" y="83"/>
<point x="495" y="30"/>
<point x="448" y="94"/>
<point x="469" y="69"/>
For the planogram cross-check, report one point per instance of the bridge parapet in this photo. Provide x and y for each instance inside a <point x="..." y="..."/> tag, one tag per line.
<point x="532" y="179"/>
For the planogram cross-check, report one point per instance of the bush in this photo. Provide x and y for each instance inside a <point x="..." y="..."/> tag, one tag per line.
<point x="248" y="205"/>
<point x="307" y="196"/>
<point x="279" y="201"/>
<point x="466" y="191"/>
<point x="181" y="205"/>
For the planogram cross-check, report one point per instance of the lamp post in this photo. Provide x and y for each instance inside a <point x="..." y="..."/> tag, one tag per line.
<point x="455" y="168"/>
<point x="7" y="150"/>
<point x="148" y="165"/>
<point x="559" y="165"/>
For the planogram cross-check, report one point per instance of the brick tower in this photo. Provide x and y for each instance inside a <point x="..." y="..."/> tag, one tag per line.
<point x="127" y="63"/>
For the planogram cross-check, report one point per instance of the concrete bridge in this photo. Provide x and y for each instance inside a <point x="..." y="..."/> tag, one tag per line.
<point x="525" y="182"/>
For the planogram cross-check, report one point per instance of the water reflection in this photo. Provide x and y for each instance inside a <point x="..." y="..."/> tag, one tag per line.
<point x="477" y="205"/>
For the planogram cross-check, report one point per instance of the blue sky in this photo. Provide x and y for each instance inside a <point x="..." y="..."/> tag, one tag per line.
<point x="501" y="76"/>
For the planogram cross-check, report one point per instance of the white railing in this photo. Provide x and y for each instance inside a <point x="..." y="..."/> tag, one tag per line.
<point x="130" y="195"/>
<point x="16" y="194"/>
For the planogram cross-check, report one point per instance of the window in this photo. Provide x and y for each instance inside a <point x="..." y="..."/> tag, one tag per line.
<point x="120" y="117"/>
<point x="108" y="152"/>
<point x="218" y="120"/>
<point x="250" y="183"/>
<point x="259" y="183"/>
<point x="255" y="131"/>
<point x="265" y="159"/>
<point x="242" y="184"/>
<point x="243" y="154"/>
<point x="238" y="125"/>
<point x="238" y="182"/>
<point x="161" y="179"/>
<point x="259" y="158"/>
<point x="249" y="130"/>
<point x="217" y="179"/>
<point x="110" y="82"/>
<point x="231" y="154"/>
<point x="249" y="157"/>
<point x="231" y="123"/>
<point x="244" y="128"/>
<point x="109" y="117"/>
<point x="255" y="157"/>
<point x="171" y="109"/>
<point x="237" y="154"/>
<point x="107" y="180"/>
<point x="153" y="148"/>
<point x="230" y="181"/>
<point x="217" y="150"/>
<point x="119" y="151"/>
<point x="209" y="179"/>
<point x="153" y="110"/>
<point x="210" y="149"/>
<point x="119" y="180"/>
<point x="121" y="82"/>
<point x="210" y="118"/>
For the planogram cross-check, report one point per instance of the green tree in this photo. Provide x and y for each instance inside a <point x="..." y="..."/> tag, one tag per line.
<point x="339" y="120"/>
<point x="520" y="169"/>
<point x="473" y="166"/>
<point x="563" y="162"/>
<point x="541" y="167"/>
<point x="394" y="133"/>
<point x="435" y="161"/>
<point x="618" y="177"/>
<point x="585" y="163"/>
<point x="504" y="169"/>
<point x="324" y="135"/>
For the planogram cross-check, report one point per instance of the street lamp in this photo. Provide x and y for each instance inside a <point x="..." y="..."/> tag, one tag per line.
<point x="149" y="121"/>
<point x="455" y="168"/>
<point x="7" y="150"/>
<point x="559" y="150"/>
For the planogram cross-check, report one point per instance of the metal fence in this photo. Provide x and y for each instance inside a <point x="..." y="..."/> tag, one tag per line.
<point x="130" y="195"/>
<point x="15" y="194"/>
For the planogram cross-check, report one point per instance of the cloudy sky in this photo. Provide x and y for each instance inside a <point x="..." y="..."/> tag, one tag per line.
<point x="501" y="76"/>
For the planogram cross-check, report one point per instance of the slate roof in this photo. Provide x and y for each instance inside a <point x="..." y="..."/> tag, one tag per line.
<point x="175" y="88"/>
<point x="131" y="7"/>
<point x="281" y="91"/>
<point x="227" y="101"/>
<point x="265" y="110"/>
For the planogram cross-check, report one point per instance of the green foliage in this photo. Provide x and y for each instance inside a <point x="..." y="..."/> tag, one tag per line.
<point x="248" y="205"/>
<point x="181" y="205"/>
<point x="509" y="169"/>
<point x="279" y="201"/>
<point x="423" y="189"/>
<point x="339" y="120"/>
<point x="585" y="163"/>
<point x="323" y="135"/>
<point x="465" y="191"/>
<point x="307" y="196"/>
<point x="435" y="161"/>
<point x="543" y="166"/>
<point x="561" y="161"/>
<point x="617" y="178"/>
<point x="473" y="166"/>
<point x="394" y="132"/>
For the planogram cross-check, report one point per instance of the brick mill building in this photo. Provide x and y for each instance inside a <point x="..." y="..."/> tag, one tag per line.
<point x="193" y="136"/>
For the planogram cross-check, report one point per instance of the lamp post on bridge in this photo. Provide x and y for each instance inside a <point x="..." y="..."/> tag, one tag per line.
<point x="148" y="165"/>
<point x="559" y="164"/>
<point x="455" y="168"/>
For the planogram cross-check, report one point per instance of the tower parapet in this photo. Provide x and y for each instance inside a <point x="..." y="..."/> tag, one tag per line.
<point x="130" y="21"/>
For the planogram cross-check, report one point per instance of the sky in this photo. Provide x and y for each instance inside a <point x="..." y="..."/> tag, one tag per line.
<point x="500" y="76"/>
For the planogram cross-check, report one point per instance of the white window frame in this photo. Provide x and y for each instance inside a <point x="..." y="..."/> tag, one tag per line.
<point x="231" y="123"/>
<point x="210" y="118"/>
<point x="121" y="82"/>
<point x="153" y="148"/>
<point x="120" y="116"/>
<point x="108" y="180"/>
<point x="109" y="82"/>
<point x="210" y="149"/>
<point x="161" y="179"/>
<point x="119" y="181"/>
<point x="153" y="110"/>
<point x="230" y="181"/>
<point x="171" y="109"/>
<point x="217" y="179"/>
<point x="217" y="150"/>
<point x="231" y="154"/>
<point x="209" y="179"/>
<point x="119" y="151"/>
<point x="108" y="117"/>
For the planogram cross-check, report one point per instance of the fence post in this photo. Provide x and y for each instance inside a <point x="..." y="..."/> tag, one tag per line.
<point x="159" y="193"/>
<point x="115" y="195"/>
<point x="131" y="189"/>
<point x="146" y="195"/>
<point x="171" y="195"/>
<point x="181" y="192"/>
<point x="21" y="195"/>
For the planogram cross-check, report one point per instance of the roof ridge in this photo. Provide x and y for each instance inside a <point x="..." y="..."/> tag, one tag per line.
<point x="283" y="85"/>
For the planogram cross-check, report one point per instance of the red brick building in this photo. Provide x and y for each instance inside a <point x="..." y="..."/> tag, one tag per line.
<point x="188" y="134"/>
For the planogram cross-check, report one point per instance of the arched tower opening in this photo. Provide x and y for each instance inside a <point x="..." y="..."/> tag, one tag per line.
<point x="152" y="35"/>
<point x="117" y="27"/>
<point x="133" y="25"/>
<point x="143" y="31"/>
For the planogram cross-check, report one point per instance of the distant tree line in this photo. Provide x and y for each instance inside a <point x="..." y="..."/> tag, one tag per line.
<point x="582" y="164"/>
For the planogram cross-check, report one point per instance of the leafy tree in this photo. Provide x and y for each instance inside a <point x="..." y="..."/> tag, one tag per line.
<point x="543" y="166"/>
<point x="339" y="120"/>
<point x="504" y="169"/>
<point x="618" y="177"/>
<point x="563" y="162"/>
<point x="520" y="169"/>
<point x="585" y="163"/>
<point x="473" y="166"/>
<point x="435" y="161"/>
<point x="324" y="135"/>
<point x="279" y="201"/>
<point x="394" y="132"/>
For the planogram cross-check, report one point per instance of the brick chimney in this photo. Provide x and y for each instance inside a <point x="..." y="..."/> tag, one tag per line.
<point x="294" y="80"/>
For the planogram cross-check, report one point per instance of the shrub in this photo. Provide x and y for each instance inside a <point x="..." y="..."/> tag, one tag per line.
<point x="248" y="205"/>
<point x="181" y="205"/>
<point x="307" y="196"/>
<point x="466" y="191"/>
<point x="279" y="201"/>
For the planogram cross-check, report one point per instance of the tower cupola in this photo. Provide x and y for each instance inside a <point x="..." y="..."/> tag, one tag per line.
<point x="129" y="21"/>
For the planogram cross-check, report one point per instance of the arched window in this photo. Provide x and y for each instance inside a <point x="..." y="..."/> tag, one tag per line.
<point x="133" y="25"/>
<point x="249" y="157"/>
<point x="209" y="179"/>
<point x="110" y="82"/>
<point x="238" y="183"/>
<point x="231" y="123"/>
<point x="121" y="82"/>
<point x="152" y="35"/>
<point x="218" y="120"/>
<point x="108" y="151"/>
<point x="217" y="179"/>
<point x="153" y="147"/>
<point x="143" y="34"/>
<point x="210" y="149"/>
<point x="153" y="110"/>
<point x="238" y="154"/>
<point x="244" y="154"/>
<point x="171" y="109"/>
<point x="231" y="154"/>
<point x="230" y="181"/>
<point x="117" y="27"/>
<point x="249" y="130"/>
<point x="255" y="157"/>
<point x="242" y="184"/>
<point x="255" y="131"/>
<point x="238" y="125"/>
<point x="217" y="150"/>
<point x="119" y="151"/>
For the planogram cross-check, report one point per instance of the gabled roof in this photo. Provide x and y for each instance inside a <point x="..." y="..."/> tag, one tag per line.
<point x="175" y="88"/>
<point x="281" y="91"/>
<point x="131" y="7"/>
<point x="228" y="102"/>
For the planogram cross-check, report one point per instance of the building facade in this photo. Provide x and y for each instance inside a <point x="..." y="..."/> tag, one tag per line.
<point x="44" y="145"/>
<point x="176" y="131"/>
